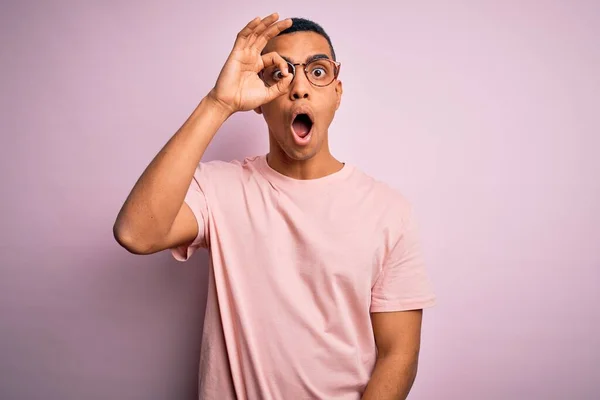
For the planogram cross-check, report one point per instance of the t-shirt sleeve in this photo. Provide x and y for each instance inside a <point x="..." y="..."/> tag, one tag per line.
<point x="403" y="283"/>
<point x="195" y="198"/>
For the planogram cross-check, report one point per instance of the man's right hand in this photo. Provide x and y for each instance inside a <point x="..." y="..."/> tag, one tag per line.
<point x="154" y="216"/>
<point x="238" y="87"/>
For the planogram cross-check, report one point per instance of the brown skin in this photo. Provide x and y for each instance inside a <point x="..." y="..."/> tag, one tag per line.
<point x="315" y="159"/>
<point x="398" y="338"/>
<point x="154" y="216"/>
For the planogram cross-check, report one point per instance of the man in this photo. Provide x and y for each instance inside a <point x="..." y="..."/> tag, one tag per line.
<point x="316" y="286"/>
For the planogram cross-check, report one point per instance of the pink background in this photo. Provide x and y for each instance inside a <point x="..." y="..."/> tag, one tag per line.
<point x="485" y="114"/>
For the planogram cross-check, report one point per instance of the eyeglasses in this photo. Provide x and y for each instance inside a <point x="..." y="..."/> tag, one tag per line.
<point x="319" y="72"/>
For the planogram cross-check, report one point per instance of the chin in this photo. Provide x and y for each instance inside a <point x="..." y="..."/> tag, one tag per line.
<point x="299" y="154"/>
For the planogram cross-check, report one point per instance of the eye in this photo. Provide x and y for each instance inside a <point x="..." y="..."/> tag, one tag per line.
<point x="319" y="72"/>
<point x="277" y="75"/>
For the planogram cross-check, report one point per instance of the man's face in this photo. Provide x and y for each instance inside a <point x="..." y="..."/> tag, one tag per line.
<point x="318" y="103"/>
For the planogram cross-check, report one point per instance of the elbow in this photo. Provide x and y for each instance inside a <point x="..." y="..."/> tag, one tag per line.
<point x="131" y="242"/>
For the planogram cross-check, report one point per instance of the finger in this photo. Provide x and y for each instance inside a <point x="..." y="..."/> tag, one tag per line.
<point x="274" y="58"/>
<point x="265" y="23"/>
<point x="281" y="88"/>
<point x="243" y="35"/>
<point x="261" y="27"/>
<point x="270" y="33"/>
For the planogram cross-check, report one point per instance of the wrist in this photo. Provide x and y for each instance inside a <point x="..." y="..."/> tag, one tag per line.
<point x="218" y="106"/>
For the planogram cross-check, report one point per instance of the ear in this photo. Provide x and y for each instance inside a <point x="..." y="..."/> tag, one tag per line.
<point x="258" y="110"/>
<point x="338" y="91"/>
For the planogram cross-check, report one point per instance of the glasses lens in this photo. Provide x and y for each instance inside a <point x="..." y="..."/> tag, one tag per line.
<point x="271" y="75"/>
<point x="321" y="72"/>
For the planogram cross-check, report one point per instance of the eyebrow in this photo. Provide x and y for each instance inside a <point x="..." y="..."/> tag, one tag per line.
<point x="309" y="58"/>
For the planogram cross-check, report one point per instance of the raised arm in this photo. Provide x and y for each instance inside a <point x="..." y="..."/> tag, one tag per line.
<point x="154" y="216"/>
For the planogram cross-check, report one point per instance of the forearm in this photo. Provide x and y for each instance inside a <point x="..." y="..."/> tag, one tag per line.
<point x="157" y="196"/>
<point x="392" y="378"/>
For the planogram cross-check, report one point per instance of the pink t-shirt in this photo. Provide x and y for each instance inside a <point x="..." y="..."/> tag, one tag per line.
<point x="297" y="266"/>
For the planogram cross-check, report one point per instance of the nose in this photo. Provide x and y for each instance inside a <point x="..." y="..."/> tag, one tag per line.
<point x="300" y="85"/>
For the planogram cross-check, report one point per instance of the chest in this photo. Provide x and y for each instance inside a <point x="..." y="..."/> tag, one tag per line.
<point x="322" y="242"/>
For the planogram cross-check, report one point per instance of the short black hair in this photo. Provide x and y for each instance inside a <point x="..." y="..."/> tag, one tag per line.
<point x="306" y="25"/>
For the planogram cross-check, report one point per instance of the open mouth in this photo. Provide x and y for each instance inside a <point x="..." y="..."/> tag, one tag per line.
<point x="302" y="125"/>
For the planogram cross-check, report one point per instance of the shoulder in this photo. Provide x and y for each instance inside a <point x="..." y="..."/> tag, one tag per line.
<point x="393" y="215"/>
<point x="387" y="197"/>
<point x="233" y="169"/>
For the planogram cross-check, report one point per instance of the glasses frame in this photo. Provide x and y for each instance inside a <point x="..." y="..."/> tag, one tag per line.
<point x="337" y="64"/>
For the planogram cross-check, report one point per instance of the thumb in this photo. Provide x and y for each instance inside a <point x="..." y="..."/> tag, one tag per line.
<point x="281" y="88"/>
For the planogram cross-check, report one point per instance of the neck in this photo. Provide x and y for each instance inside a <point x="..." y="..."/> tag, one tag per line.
<point x="317" y="166"/>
